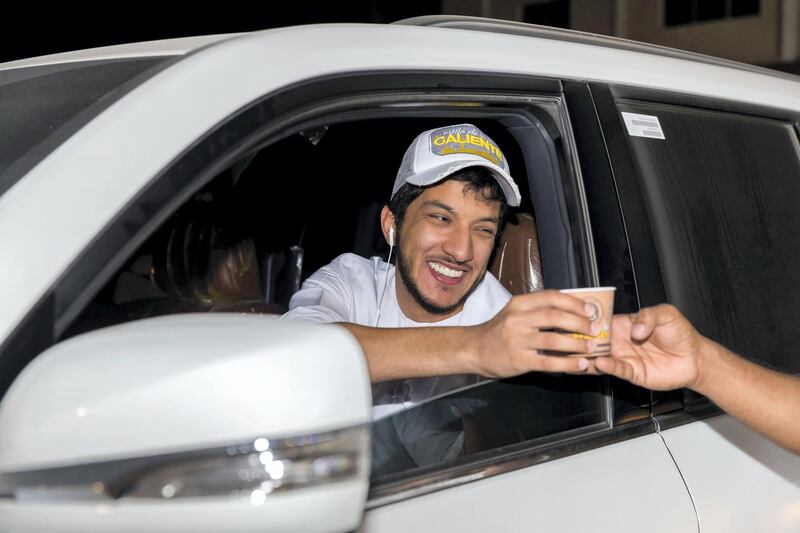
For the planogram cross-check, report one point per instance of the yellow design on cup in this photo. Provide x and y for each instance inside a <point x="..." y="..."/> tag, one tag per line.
<point x="601" y="299"/>
<point x="602" y="335"/>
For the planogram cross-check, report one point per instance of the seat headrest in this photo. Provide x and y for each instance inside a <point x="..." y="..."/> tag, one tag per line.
<point x="233" y="274"/>
<point x="517" y="263"/>
<point x="202" y="262"/>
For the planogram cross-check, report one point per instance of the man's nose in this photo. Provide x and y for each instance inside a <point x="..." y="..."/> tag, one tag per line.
<point x="458" y="245"/>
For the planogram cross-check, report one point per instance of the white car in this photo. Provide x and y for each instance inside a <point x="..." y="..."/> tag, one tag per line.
<point x="142" y="186"/>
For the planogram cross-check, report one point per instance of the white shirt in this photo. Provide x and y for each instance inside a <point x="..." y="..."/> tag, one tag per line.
<point x="349" y="288"/>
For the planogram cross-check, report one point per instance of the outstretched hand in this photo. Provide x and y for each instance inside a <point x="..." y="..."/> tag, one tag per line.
<point x="524" y="335"/>
<point x="656" y="348"/>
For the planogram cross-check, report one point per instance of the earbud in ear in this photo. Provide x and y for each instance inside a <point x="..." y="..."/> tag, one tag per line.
<point x="391" y="236"/>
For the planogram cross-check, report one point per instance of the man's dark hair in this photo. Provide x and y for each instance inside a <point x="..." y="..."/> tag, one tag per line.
<point x="478" y="180"/>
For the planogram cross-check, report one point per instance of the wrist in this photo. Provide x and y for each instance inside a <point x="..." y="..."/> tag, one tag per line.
<point x="710" y="357"/>
<point x="468" y="350"/>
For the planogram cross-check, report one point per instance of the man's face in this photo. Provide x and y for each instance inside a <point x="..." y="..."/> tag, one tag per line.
<point x="444" y="245"/>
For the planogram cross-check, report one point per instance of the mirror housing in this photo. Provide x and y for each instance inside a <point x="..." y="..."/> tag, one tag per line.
<point x="190" y="422"/>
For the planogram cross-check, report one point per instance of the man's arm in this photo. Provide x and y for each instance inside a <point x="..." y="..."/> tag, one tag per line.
<point x="507" y="345"/>
<point x="659" y="349"/>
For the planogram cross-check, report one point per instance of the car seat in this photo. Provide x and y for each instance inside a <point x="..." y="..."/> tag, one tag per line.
<point x="202" y="267"/>
<point x="517" y="262"/>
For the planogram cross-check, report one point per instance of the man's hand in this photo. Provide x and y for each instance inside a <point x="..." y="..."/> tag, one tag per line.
<point x="515" y="340"/>
<point x="659" y="349"/>
<point x="656" y="348"/>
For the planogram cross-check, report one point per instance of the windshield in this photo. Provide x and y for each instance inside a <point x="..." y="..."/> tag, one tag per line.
<point x="44" y="105"/>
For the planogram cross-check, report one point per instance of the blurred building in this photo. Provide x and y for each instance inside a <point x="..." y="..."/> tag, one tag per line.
<point x="762" y="32"/>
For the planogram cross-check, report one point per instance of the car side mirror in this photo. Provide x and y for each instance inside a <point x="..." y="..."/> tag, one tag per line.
<point x="214" y="422"/>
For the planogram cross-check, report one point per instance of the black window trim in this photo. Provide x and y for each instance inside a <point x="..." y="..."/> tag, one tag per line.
<point x="611" y="232"/>
<point x="656" y="96"/>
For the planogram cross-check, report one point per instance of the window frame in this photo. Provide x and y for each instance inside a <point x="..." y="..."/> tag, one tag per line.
<point x="270" y="118"/>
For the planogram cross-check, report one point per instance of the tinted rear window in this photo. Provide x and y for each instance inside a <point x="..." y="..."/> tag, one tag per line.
<point x="722" y="191"/>
<point x="42" y="106"/>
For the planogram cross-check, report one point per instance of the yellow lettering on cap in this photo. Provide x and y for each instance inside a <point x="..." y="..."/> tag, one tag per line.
<point x="474" y="139"/>
<point x="438" y="141"/>
<point x="467" y="150"/>
<point x="461" y="139"/>
<point x="496" y="151"/>
<point x="451" y="139"/>
<point x="484" y="143"/>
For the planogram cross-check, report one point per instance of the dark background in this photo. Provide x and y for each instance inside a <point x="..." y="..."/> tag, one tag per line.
<point x="38" y="30"/>
<point x="33" y="30"/>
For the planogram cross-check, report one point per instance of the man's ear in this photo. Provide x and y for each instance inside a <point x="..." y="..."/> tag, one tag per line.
<point x="388" y="225"/>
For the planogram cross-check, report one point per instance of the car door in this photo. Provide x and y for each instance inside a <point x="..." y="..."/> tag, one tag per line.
<point x="541" y="464"/>
<point x="554" y="453"/>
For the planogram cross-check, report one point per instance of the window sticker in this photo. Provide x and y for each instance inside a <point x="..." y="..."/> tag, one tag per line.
<point x="643" y="125"/>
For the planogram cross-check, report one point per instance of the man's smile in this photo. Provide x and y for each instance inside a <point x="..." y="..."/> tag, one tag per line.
<point x="445" y="274"/>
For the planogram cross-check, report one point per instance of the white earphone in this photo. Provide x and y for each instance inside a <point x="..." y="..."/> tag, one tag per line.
<point x="386" y="279"/>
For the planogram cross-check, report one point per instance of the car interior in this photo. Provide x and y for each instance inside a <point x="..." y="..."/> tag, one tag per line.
<point x="246" y="241"/>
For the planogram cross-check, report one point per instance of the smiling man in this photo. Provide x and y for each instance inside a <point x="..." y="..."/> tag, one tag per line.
<point x="443" y="219"/>
<point x="445" y="235"/>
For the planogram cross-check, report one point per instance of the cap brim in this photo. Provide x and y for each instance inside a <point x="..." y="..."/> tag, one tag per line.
<point x="440" y="172"/>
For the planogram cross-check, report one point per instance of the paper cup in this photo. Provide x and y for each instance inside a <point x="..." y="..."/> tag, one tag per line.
<point x="602" y="300"/>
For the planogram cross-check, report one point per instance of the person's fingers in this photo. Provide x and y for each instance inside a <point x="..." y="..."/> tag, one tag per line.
<point x="621" y="334"/>
<point x="649" y="318"/>
<point x="621" y="325"/>
<point x="644" y="322"/>
<point x="561" y="342"/>
<point x="592" y="368"/>
<point x="606" y="365"/>
<point x="551" y="318"/>
<point x="552" y="298"/>
<point x="614" y="367"/>
<point x="547" y="363"/>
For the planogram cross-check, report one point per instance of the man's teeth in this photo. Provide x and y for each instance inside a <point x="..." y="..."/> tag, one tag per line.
<point x="449" y="272"/>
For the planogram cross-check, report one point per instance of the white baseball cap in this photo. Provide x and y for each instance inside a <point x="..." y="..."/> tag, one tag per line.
<point x="435" y="154"/>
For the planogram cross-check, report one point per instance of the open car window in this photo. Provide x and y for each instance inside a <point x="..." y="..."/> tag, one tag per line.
<point x="246" y="240"/>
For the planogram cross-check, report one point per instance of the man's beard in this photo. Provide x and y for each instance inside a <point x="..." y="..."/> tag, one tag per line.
<point x="405" y="274"/>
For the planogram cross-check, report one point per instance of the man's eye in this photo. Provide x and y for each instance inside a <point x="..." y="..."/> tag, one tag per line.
<point x="489" y="232"/>
<point x="441" y="218"/>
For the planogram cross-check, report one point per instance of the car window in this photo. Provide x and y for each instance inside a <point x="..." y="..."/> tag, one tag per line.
<point x="721" y="191"/>
<point x="487" y="417"/>
<point x="54" y="101"/>
<point x="240" y="245"/>
<point x="465" y="432"/>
